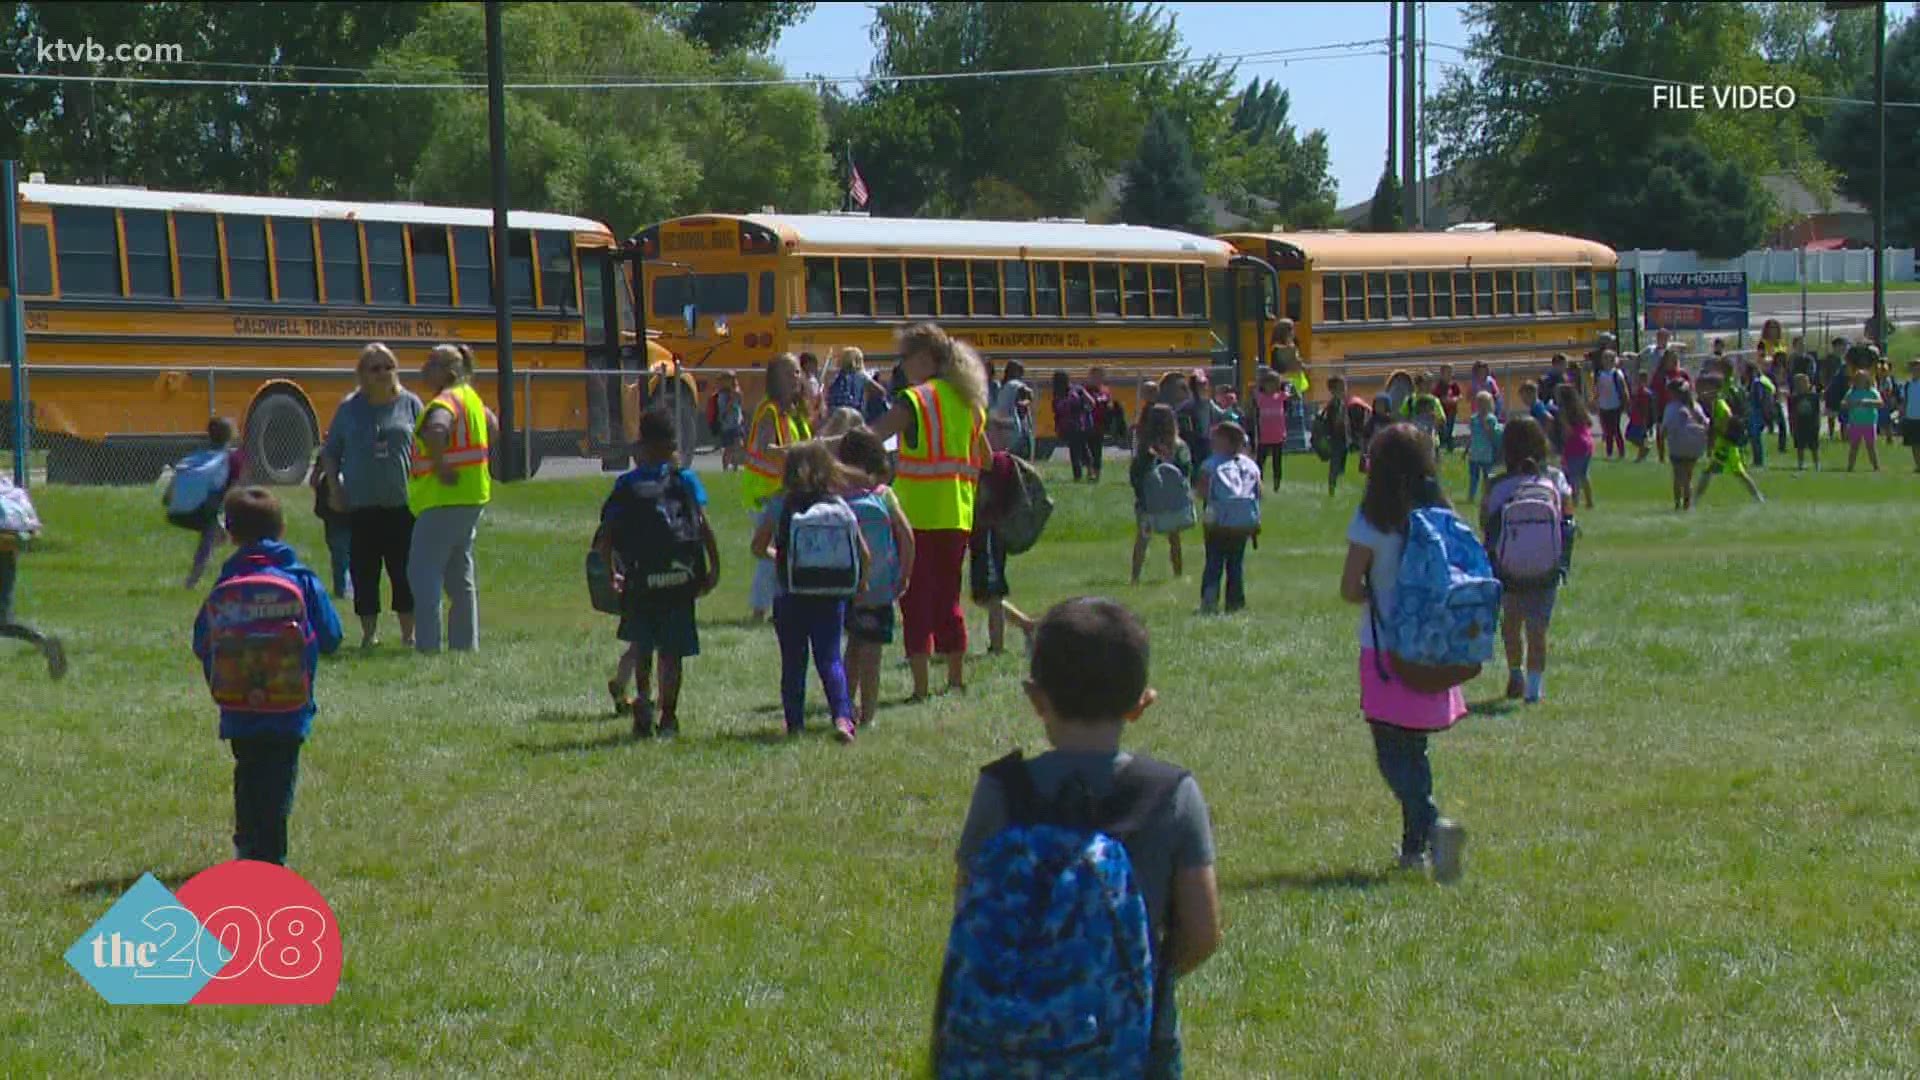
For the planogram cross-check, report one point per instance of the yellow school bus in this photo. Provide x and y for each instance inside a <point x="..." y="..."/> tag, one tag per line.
<point x="731" y="291"/>
<point x="147" y="312"/>
<point x="1375" y="306"/>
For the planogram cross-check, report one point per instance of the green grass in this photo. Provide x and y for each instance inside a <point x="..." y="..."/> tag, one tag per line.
<point x="1699" y="857"/>
<point x="1830" y="287"/>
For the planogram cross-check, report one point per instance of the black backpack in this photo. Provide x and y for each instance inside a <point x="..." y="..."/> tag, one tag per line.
<point x="656" y="534"/>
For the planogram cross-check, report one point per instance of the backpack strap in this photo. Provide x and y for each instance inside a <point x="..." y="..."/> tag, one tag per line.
<point x="1023" y="799"/>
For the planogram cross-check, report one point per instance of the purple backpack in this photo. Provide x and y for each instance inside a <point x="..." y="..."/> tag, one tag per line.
<point x="1529" y="536"/>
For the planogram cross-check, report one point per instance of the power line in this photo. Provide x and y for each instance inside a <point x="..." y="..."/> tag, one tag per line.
<point x="1266" y="56"/>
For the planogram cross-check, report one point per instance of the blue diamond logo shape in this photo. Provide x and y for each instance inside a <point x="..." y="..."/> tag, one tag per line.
<point x="147" y="949"/>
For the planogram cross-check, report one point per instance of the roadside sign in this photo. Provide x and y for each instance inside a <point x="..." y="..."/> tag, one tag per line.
<point x="1706" y="301"/>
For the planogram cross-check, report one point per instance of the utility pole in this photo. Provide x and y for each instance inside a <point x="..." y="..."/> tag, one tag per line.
<point x="1880" y="173"/>
<point x="1393" y="85"/>
<point x="1409" y="193"/>
<point x="511" y="460"/>
<point x="1423" y="114"/>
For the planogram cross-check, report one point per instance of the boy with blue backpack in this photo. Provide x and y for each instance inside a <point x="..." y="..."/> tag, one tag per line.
<point x="889" y="537"/>
<point x="1229" y="486"/>
<point x="194" y="496"/>
<point x="1114" y="848"/>
<point x="259" y="638"/>
<point x="655" y="532"/>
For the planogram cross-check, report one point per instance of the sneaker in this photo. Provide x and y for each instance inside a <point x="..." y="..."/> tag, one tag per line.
<point x="56" y="655"/>
<point x="1449" y="842"/>
<point x="642" y="719"/>
<point x="668" y="729"/>
<point x="843" y="730"/>
<point x="1411" y="861"/>
<point x="622" y="704"/>
<point x="1516" y="686"/>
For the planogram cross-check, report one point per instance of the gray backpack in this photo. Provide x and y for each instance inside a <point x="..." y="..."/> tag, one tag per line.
<point x="1166" y="498"/>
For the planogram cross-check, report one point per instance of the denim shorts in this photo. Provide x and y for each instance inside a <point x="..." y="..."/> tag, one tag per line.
<point x="870" y="624"/>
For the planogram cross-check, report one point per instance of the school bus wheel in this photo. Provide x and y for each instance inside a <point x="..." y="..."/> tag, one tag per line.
<point x="281" y="436"/>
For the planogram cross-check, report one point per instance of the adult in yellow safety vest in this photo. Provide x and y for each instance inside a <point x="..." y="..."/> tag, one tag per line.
<point x="940" y="420"/>
<point x="447" y="487"/>
<point x="779" y="422"/>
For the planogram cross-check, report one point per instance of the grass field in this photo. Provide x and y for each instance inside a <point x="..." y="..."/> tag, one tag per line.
<point x="1699" y="857"/>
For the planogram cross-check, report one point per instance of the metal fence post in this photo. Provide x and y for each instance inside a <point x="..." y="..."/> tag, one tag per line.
<point x="526" y="426"/>
<point x="213" y="408"/>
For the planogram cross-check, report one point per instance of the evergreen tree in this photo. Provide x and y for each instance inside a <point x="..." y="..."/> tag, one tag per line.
<point x="1383" y="214"/>
<point x="1162" y="186"/>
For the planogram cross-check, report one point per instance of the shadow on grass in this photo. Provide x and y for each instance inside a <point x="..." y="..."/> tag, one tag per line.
<point x="575" y="716"/>
<point x="610" y="741"/>
<point x="1318" y="881"/>
<point x="762" y="736"/>
<point x="741" y="622"/>
<point x="114" y="886"/>
<point x="1493" y="707"/>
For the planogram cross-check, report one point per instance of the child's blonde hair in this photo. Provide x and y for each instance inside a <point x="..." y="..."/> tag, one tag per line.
<point x="812" y="469"/>
<point x="1483" y="400"/>
<point x="840" y="421"/>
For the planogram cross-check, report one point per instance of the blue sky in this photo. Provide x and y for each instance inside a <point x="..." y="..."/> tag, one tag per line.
<point x="1345" y="96"/>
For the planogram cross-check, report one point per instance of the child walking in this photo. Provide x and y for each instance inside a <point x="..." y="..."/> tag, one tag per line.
<point x="1229" y="484"/>
<point x="1576" y="440"/>
<point x="1683" y="429"/>
<point x="1483" y="443"/>
<point x="1271" y="399"/>
<point x="987" y="552"/>
<point x="1527" y="604"/>
<point x="728" y="415"/>
<point x="200" y="483"/>
<point x="19" y="524"/>
<point x="1804" y="407"/>
<point x="261" y="677"/>
<point x="1334" y="432"/>
<point x="1727" y="435"/>
<point x="1402" y="479"/>
<point x="1162" y="503"/>
<point x="1862" y="405"/>
<point x="808" y="623"/>
<point x="1640" y="417"/>
<point x="889" y="537"/>
<point x="329" y="505"/>
<point x="655" y="530"/>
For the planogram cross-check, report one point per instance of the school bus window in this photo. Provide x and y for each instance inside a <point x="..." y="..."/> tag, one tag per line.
<point x="556" y="270"/>
<point x="1134" y="284"/>
<point x="89" y="251"/>
<point x="712" y="294"/>
<point x="36" y="261"/>
<point x="433" y="267"/>
<point x="855" y="299"/>
<point x="1193" y="292"/>
<point x="1046" y="289"/>
<point x="1583" y="290"/>
<point x="1106" y="289"/>
<point x="1483" y="293"/>
<point x="920" y="290"/>
<point x="766" y="292"/>
<point x="1294" y="306"/>
<point x="1397" y="295"/>
<point x="1377" y="296"/>
<point x="986" y="286"/>
<point x="387" y="264"/>
<point x="1543" y="292"/>
<point x="1523" y="292"/>
<point x="340" y="261"/>
<point x="293" y="266"/>
<point x="1422" y="307"/>
<point x="246" y="257"/>
<point x="1079" y="288"/>
<point x="1440" y="283"/>
<point x="821" y="287"/>
<point x="1563" y="291"/>
<point x="1166" y="297"/>
<point x="1330" y="308"/>
<point x="1503" y="292"/>
<point x="149" y="266"/>
<point x="473" y="266"/>
<point x="953" y="287"/>
<point x="1462" y="294"/>
<point x="1014" y="273"/>
<point x="1354" y="287"/>
<point x="591" y="307"/>
<point x="519" y="267"/>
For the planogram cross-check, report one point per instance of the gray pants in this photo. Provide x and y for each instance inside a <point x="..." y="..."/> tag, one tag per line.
<point x="441" y="557"/>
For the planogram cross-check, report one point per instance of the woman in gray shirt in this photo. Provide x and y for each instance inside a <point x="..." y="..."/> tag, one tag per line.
<point x="370" y="447"/>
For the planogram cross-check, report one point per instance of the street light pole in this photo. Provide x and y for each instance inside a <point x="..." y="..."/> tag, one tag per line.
<point x="1880" y="173"/>
<point x="510" y="460"/>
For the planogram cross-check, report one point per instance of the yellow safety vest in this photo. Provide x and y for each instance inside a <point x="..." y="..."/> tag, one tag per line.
<point x="766" y="472"/>
<point x="467" y="452"/>
<point x="937" y="474"/>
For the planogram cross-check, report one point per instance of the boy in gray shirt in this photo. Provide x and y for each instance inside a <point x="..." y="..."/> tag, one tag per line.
<point x="1088" y="681"/>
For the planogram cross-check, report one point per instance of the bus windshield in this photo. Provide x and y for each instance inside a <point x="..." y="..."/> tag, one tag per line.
<point x="713" y="294"/>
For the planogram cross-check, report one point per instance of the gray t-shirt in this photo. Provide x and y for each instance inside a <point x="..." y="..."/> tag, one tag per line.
<point x="1179" y="838"/>
<point x="374" y="446"/>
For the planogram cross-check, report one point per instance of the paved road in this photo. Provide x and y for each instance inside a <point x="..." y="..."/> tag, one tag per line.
<point x="1845" y="313"/>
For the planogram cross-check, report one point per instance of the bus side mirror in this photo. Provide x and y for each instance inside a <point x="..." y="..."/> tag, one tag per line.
<point x="691" y="316"/>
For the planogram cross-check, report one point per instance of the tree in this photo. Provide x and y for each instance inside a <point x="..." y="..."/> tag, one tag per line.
<point x="1264" y="167"/>
<point x="731" y="25"/>
<point x="1528" y="144"/>
<point x="1384" y="212"/>
<point x="1681" y="181"/>
<point x="1851" y="141"/>
<point x="1162" y="187"/>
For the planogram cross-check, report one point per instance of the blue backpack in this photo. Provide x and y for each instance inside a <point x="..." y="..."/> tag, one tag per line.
<point x="876" y="526"/>
<point x="1051" y="965"/>
<point x="198" y="478"/>
<point x="1446" y="606"/>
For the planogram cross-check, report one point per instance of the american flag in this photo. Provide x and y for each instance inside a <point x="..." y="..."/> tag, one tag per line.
<point x="856" y="184"/>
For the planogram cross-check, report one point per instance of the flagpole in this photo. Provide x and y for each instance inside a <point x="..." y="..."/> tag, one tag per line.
<point x="846" y="197"/>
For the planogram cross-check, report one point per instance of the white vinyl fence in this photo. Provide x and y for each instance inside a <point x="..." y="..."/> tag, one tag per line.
<point x="1778" y="265"/>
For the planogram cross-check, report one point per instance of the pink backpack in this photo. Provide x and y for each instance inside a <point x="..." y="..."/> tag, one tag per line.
<point x="258" y="634"/>
<point x="1529" y="536"/>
